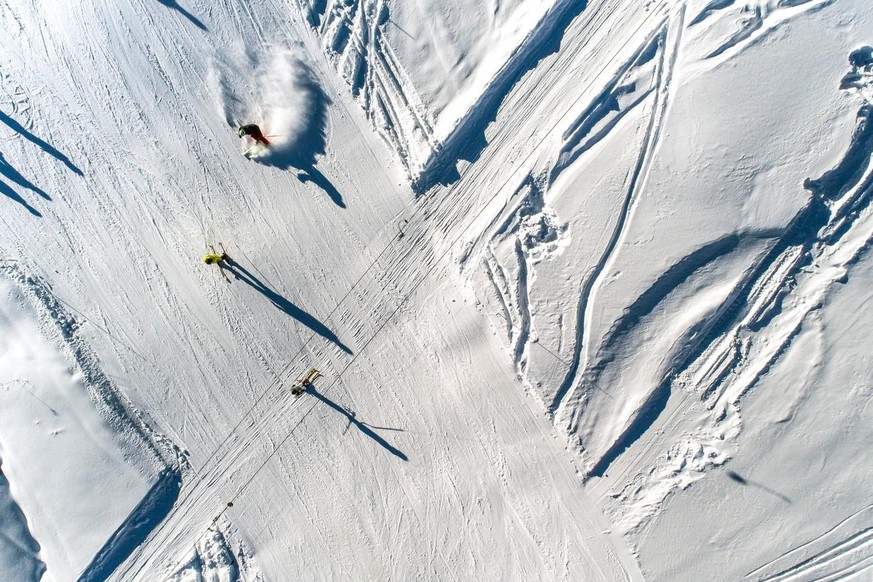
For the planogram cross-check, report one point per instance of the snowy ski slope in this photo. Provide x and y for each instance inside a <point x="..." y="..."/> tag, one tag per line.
<point x="587" y="284"/>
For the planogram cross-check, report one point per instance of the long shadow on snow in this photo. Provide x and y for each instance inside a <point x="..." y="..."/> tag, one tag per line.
<point x="173" y="5"/>
<point x="671" y="279"/>
<point x="834" y="183"/>
<point x="246" y="277"/>
<point x="23" y="542"/>
<point x="15" y="176"/>
<point x="7" y="191"/>
<point x="153" y="508"/>
<point x="46" y="147"/>
<point x="668" y="282"/>
<point x="733" y="476"/>
<point x="310" y="143"/>
<point x="467" y="140"/>
<point x="803" y="231"/>
<point x="361" y="426"/>
<point x="312" y="174"/>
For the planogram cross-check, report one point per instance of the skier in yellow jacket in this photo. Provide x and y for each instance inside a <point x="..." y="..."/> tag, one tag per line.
<point x="222" y="260"/>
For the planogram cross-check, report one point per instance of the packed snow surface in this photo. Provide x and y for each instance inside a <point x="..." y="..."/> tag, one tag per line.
<point x="587" y="284"/>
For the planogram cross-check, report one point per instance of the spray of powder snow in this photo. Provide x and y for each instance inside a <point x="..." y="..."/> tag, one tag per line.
<point x="284" y="98"/>
<point x="291" y="111"/>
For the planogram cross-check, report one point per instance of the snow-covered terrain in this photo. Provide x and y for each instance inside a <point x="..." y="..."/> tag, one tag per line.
<point x="587" y="284"/>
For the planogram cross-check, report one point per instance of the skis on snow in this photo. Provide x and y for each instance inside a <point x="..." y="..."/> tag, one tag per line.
<point x="303" y="383"/>
<point x="255" y="150"/>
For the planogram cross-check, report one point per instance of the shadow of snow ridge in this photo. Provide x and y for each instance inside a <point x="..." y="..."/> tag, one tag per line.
<point x="151" y="511"/>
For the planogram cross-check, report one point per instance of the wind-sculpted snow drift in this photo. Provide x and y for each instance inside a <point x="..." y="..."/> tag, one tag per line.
<point x="772" y="355"/>
<point x="631" y="374"/>
<point x="216" y="556"/>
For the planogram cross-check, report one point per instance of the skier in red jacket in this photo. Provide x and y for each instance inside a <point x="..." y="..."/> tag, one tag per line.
<point x="254" y="132"/>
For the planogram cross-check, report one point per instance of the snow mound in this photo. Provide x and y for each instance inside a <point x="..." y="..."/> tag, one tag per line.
<point x="216" y="557"/>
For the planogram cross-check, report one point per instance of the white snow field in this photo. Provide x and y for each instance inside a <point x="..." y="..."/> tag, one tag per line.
<point x="588" y="285"/>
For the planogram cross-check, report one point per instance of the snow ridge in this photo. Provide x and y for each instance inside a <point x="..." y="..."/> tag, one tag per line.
<point x="530" y="234"/>
<point x="151" y="452"/>
<point x="564" y="398"/>
<point x="768" y="308"/>
<point x="352" y="34"/>
<point x="128" y="422"/>
<point x="467" y="138"/>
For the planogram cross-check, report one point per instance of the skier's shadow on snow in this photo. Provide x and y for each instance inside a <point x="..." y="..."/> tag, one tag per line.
<point x="172" y="4"/>
<point x="46" y="147"/>
<point x="310" y="143"/>
<point x="312" y="174"/>
<point x="246" y="277"/>
<point x="733" y="476"/>
<point x="13" y="175"/>
<point x="361" y="426"/>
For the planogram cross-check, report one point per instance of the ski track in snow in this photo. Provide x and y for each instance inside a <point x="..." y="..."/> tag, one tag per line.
<point x="658" y="51"/>
<point x="149" y="452"/>
<point x="842" y="552"/>
<point x="129" y="423"/>
<point x="530" y="234"/>
<point x="763" y="315"/>
<point x="658" y="415"/>
<point x="635" y="185"/>
<point x="394" y="277"/>
<point x="353" y="33"/>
